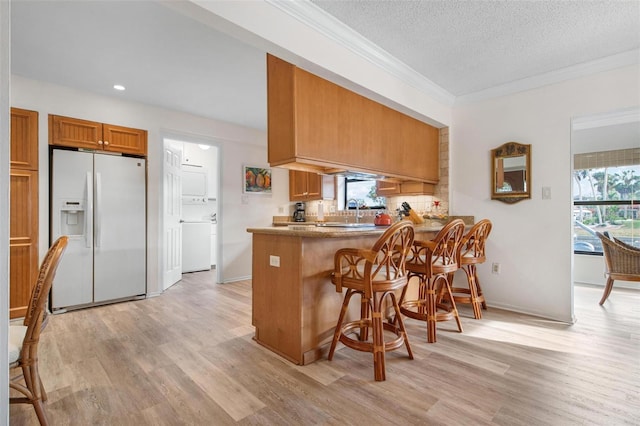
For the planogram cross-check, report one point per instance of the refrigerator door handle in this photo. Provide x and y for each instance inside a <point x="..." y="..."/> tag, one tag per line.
<point x="88" y="221"/>
<point x="98" y="223"/>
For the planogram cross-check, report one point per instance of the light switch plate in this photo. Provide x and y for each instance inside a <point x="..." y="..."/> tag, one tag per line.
<point x="274" y="261"/>
<point x="546" y="192"/>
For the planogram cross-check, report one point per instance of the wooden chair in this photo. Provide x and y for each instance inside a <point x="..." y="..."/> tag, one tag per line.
<point x="23" y="339"/>
<point x="373" y="274"/>
<point x="472" y="253"/>
<point x="622" y="262"/>
<point x="432" y="262"/>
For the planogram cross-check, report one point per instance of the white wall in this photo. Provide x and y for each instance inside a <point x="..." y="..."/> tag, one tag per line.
<point x="268" y="27"/>
<point x="530" y="239"/>
<point x="238" y="145"/>
<point x="588" y="269"/>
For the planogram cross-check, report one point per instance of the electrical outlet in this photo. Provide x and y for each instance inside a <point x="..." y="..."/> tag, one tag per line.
<point x="332" y="209"/>
<point x="280" y="210"/>
<point x="274" y="261"/>
<point x="495" y="268"/>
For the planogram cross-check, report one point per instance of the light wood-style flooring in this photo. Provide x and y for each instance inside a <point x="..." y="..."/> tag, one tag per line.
<point x="187" y="357"/>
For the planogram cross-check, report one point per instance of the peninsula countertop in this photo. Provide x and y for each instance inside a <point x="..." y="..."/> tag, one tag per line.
<point x="311" y="230"/>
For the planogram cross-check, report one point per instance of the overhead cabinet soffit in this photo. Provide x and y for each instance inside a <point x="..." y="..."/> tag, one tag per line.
<point x="316" y="125"/>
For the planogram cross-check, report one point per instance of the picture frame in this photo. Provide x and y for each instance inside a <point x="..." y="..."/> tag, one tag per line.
<point x="256" y="180"/>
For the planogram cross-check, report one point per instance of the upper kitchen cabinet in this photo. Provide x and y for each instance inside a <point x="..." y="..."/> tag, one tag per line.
<point x="316" y="125"/>
<point x="310" y="186"/>
<point x="77" y="133"/>
<point x="386" y="188"/>
<point x="24" y="139"/>
<point x="304" y="186"/>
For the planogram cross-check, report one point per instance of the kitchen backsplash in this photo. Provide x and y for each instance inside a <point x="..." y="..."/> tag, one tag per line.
<point x="422" y="204"/>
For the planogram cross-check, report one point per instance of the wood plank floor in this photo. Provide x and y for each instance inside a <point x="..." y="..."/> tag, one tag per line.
<point x="187" y="357"/>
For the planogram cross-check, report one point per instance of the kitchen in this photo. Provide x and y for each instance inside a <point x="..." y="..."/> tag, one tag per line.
<point x="463" y="187"/>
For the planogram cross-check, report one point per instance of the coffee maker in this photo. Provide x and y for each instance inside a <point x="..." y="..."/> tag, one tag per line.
<point x="298" y="213"/>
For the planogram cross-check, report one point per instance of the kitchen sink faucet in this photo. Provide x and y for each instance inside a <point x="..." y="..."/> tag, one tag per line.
<point x="357" y="208"/>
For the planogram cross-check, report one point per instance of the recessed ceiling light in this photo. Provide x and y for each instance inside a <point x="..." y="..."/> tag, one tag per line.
<point x="118" y="87"/>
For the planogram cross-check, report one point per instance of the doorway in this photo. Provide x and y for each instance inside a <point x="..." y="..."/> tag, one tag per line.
<point x="191" y="197"/>
<point x="605" y="182"/>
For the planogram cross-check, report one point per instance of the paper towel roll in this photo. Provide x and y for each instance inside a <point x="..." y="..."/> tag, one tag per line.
<point x="320" y="212"/>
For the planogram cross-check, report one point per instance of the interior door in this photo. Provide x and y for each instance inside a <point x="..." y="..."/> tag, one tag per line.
<point x="172" y="270"/>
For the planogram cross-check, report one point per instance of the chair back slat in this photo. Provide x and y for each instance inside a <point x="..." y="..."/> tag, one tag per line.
<point x="36" y="311"/>
<point x="442" y="253"/>
<point x="473" y="242"/>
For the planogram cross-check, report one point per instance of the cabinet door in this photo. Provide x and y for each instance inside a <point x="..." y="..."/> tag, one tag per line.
<point x="66" y="131"/>
<point x="297" y="185"/>
<point x="23" y="239"/>
<point x="304" y="186"/>
<point x="316" y="119"/>
<point x="24" y="139"/>
<point x="314" y="186"/>
<point x="384" y="188"/>
<point x="417" y="188"/>
<point x="124" y="139"/>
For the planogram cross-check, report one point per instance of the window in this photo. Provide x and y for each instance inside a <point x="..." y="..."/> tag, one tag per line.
<point x="364" y="191"/>
<point x="606" y="191"/>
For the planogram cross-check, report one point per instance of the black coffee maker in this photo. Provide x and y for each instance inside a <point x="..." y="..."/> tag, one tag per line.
<point x="298" y="213"/>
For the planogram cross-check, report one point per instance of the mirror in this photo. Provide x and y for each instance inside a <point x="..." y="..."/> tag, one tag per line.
<point x="511" y="172"/>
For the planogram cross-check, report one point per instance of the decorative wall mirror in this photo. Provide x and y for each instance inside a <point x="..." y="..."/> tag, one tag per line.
<point x="511" y="172"/>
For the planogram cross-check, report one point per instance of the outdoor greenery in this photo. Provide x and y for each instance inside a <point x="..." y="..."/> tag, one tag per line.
<point x="607" y="184"/>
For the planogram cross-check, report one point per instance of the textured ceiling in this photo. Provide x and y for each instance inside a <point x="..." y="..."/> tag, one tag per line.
<point x="167" y="59"/>
<point x="467" y="46"/>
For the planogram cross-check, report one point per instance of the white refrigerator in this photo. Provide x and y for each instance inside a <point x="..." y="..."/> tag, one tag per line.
<point x="99" y="202"/>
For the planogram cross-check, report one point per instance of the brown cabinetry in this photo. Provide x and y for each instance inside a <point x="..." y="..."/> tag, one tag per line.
<point x="310" y="186"/>
<point x="304" y="186"/>
<point x="23" y="211"/>
<point x="77" y="133"/>
<point x="316" y="125"/>
<point x="390" y="188"/>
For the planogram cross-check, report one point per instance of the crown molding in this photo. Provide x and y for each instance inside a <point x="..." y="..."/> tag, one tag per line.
<point x="324" y="23"/>
<point x="319" y="20"/>
<point x="619" y="60"/>
<point x="624" y="116"/>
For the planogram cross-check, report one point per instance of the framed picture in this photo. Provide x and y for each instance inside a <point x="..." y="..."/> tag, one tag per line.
<point x="257" y="180"/>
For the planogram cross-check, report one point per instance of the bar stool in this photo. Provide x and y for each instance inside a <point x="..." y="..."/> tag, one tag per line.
<point x="472" y="253"/>
<point x="373" y="274"/>
<point x="432" y="262"/>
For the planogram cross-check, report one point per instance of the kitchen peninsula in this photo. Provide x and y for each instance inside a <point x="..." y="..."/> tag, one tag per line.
<point x="295" y="306"/>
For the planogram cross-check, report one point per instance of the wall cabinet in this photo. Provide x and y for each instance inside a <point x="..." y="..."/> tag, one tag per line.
<point x="390" y="188"/>
<point x="23" y="210"/>
<point x="24" y="139"/>
<point x="304" y="186"/>
<point x="77" y="133"/>
<point x="316" y="125"/>
<point x="310" y="186"/>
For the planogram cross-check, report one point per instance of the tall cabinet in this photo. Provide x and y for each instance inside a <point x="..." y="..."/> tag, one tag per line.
<point x="23" y="234"/>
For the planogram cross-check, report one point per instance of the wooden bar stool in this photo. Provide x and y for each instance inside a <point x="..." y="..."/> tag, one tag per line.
<point x="472" y="253"/>
<point x="24" y="339"/>
<point x="432" y="262"/>
<point x="373" y="274"/>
